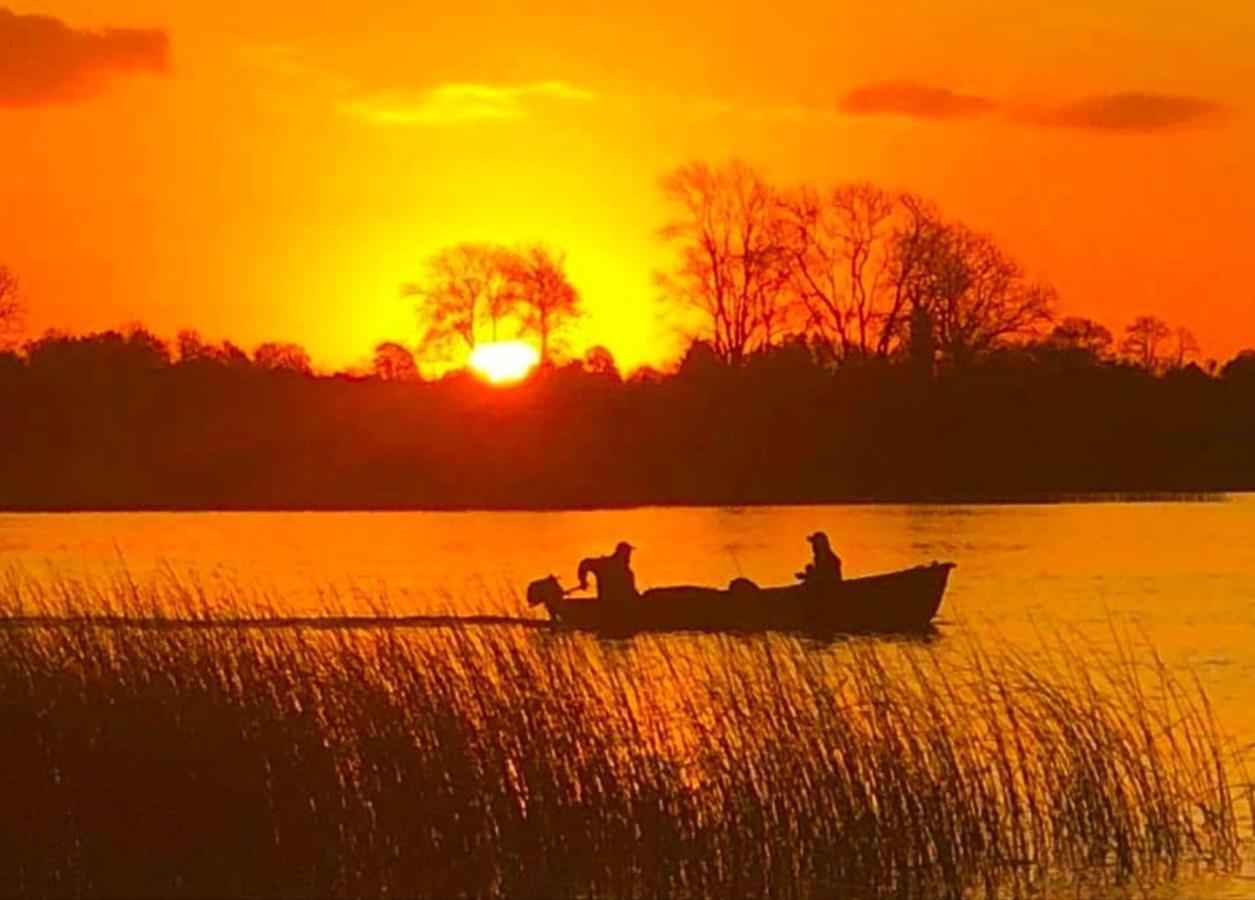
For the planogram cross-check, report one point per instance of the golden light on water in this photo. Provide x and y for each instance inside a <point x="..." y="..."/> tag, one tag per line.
<point x="505" y="361"/>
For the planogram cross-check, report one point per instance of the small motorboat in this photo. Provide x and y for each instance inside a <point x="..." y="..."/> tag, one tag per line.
<point x="895" y="602"/>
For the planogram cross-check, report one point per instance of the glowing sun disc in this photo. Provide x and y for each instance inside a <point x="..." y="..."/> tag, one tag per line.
<point x="505" y="361"/>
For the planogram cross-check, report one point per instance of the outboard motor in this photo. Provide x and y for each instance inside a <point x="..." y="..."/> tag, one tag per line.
<point x="544" y="591"/>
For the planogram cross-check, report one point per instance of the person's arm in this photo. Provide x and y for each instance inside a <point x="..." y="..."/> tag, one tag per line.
<point x="587" y="567"/>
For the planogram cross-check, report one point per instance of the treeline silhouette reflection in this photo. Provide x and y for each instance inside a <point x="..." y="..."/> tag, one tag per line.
<point x="119" y="421"/>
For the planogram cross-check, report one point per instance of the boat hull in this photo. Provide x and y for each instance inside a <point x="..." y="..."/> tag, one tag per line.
<point x="897" y="602"/>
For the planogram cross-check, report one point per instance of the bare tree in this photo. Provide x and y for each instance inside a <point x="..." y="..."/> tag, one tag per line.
<point x="915" y="261"/>
<point x="393" y="362"/>
<point x="467" y="289"/>
<point x="732" y="263"/>
<point x="1184" y="347"/>
<point x="976" y="297"/>
<point x="840" y="244"/>
<point x="1142" y="341"/>
<point x="999" y="303"/>
<point x="546" y="300"/>
<point x="12" y="309"/>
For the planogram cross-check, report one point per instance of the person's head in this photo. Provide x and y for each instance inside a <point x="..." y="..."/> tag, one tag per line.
<point x="819" y="540"/>
<point x="624" y="550"/>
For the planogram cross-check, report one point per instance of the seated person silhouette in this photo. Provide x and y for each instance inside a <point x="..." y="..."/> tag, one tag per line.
<point x="615" y="580"/>
<point x="825" y="566"/>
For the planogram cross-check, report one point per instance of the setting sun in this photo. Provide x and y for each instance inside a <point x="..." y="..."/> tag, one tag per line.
<point x="505" y="361"/>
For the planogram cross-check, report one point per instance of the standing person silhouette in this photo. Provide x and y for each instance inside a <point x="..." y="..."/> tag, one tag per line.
<point x="615" y="579"/>
<point x="825" y="565"/>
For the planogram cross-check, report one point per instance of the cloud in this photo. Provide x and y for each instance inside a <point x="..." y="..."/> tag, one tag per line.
<point x="1129" y="112"/>
<point x="908" y="98"/>
<point x="1138" y="112"/>
<point x="45" y="62"/>
<point x="455" y="104"/>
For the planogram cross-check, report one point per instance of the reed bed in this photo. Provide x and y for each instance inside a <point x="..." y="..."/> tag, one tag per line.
<point x="241" y="761"/>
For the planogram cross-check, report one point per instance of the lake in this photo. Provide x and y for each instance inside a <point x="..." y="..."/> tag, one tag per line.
<point x="1181" y="573"/>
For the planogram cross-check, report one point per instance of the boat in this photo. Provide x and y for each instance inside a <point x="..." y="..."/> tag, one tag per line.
<point x="894" y="602"/>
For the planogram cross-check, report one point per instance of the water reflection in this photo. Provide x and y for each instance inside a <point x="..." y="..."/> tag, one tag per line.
<point x="1182" y="573"/>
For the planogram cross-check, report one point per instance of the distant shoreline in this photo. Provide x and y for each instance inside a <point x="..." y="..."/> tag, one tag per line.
<point x="1033" y="499"/>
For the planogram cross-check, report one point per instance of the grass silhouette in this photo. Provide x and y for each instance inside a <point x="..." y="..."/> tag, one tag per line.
<point x="287" y="761"/>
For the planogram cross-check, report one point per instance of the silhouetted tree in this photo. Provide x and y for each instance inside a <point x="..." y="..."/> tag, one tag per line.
<point x="701" y="360"/>
<point x="1143" y="339"/>
<point x="645" y="375"/>
<point x="1081" y="335"/>
<point x="600" y="361"/>
<point x="1241" y="368"/>
<point x="733" y="265"/>
<point x="280" y="357"/>
<point x="841" y="246"/>
<point x="233" y="355"/>
<point x="394" y="362"/>
<point x="103" y="356"/>
<point x="978" y="297"/>
<point x="193" y="348"/>
<point x="1184" y="347"/>
<point x="921" y="343"/>
<point x="467" y="288"/>
<point x="546" y="300"/>
<point x="12" y="309"/>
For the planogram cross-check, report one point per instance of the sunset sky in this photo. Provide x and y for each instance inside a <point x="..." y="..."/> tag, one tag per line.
<point x="276" y="170"/>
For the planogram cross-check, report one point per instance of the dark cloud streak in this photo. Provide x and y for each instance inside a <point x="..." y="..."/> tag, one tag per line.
<point x="1130" y="112"/>
<point x="908" y="98"/>
<point x="1135" y="112"/>
<point x="44" y="61"/>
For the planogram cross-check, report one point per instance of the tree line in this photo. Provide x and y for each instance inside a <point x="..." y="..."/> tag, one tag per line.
<point x="850" y="343"/>
<point x="125" y="421"/>
<point x="862" y="273"/>
<point x="856" y="272"/>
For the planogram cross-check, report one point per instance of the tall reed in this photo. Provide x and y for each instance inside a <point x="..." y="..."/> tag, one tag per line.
<point x="181" y="761"/>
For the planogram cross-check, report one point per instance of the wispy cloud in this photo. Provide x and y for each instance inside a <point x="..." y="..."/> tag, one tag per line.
<point x="909" y="98"/>
<point x="44" y="61"/>
<point x="1129" y="112"/>
<point x="455" y="104"/>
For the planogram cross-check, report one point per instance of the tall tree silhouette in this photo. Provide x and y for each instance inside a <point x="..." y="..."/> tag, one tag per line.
<point x="976" y="296"/>
<point x="840" y="244"/>
<point x="12" y="309"/>
<point x="1143" y="340"/>
<point x="733" y="265"/>
<point x="466" y="295"/>
<point x="546" y="301"/>
<point x="1184" y="347"/>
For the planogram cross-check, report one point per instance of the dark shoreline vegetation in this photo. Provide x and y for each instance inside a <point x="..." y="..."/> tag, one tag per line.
<point x="112" y="422"/>
<point x="855" y="345"/>
<point x="502" y="762"/>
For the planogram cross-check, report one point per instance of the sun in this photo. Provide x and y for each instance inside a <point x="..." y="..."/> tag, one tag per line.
<point x="505" y="361"/>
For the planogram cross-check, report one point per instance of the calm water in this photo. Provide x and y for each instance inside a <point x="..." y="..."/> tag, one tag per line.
<point x="1182" y="573"/>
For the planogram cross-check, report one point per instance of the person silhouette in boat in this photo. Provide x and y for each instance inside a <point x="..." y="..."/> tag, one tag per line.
<point x="615" y="579"/>
<point x="825" y="566"/>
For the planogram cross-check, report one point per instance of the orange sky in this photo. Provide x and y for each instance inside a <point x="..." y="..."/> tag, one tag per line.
<point x="295" y="162"/>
